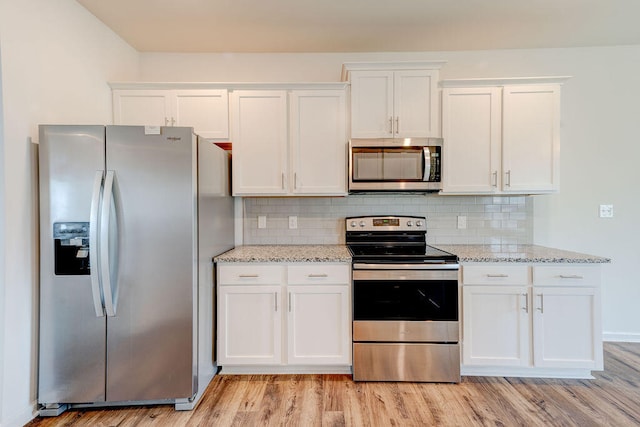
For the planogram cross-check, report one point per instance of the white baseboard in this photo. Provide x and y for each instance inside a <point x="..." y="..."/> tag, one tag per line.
<point x="621" y="336"/>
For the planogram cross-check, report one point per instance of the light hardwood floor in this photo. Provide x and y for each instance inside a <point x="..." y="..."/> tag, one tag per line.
<point x="611" y="399"/>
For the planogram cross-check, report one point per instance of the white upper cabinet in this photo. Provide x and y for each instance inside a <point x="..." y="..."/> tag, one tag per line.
<point x="398" y="100"/>
<point x="289" y="142"/>
<point x="531" y="138"/>
<point x="259" y="135"/>
<point x="318" y="142"/>
<point x="471" y="123"/>
<point x="206" y="110"/>
<point x="501" y="137"/>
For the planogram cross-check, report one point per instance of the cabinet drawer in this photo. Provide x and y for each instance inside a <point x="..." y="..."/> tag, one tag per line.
<point x="566" y="275"/>
<point x="250" y="274"/>
<point x="319" y="273"/>
<point x="495" y="274"/>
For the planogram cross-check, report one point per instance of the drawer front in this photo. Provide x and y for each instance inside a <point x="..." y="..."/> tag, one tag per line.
<point x="319" y="274"/>
<point x="250" y="274"/>
<point x="566" y="275"/>
<point x="495" y="274"/>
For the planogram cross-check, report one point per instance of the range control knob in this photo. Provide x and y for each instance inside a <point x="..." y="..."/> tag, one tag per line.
<point x="353" y="223"/>
<point x="418" y="223"/>
<point x="409" y="223"/>
<point x="362" y="224"/>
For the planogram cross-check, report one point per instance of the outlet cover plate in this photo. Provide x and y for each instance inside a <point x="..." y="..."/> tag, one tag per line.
<point x="606" y="211"/>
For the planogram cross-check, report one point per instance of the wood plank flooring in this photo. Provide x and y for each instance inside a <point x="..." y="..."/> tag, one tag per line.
<point x="612" y="399"/>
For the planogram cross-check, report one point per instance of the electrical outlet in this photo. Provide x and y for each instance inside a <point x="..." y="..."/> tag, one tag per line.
<point x="606" y="211"/>
<point x="293" y="221"/>
<point x="262" y="221"/>
<point x="462" y="221"/>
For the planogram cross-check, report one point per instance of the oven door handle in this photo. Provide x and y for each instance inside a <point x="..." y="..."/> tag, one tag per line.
<point x="425" y="266"/>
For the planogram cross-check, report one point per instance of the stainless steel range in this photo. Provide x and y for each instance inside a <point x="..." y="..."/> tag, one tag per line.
<point x="405" y="302"/>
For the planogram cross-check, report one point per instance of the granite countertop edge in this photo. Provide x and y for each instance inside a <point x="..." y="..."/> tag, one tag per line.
<point x="465" y="253"/>
<point x="286" y="253"/>
<point x="520" y="254"/>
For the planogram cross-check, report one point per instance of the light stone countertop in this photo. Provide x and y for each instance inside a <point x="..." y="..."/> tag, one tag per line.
<point x="519" y="253"/>
<point x="466" y="253"/>
<point x="286" y="253"/>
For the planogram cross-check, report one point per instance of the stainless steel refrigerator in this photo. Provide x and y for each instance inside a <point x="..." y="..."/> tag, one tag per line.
<point x="130" y="219"/>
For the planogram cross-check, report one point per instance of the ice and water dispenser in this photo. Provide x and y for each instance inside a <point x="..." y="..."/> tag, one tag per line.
<point x="71" y="248"/>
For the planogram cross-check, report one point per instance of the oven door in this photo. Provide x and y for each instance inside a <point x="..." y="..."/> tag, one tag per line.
<point x="406" y="305"/>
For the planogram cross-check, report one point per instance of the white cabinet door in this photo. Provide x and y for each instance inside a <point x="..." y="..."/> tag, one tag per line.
<point x="531" y="138"/>
<point x="142" y="107"/>
<point x="471" y="129"/>
<point x="318" y="142"/>
<point x="372" y="104"/>
<point x="394" y="104"/>
<point x="567" y="331"/>
<point x="319" y="325"/>
<point x="415" y="104"/>
<point x="207" y="111"/>
<point x="502" y="139"/>
<point x="259" y="134"/>
<point x="249" y="325"/>
<point x="495" y="325"/>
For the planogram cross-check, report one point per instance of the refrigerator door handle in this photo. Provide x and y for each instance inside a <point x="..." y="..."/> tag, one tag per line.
<point x="98" y="298"/>
<point x="110" y="291"/>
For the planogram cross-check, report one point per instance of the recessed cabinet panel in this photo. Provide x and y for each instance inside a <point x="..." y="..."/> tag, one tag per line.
<point x="141" y="108"/>
<point x="531" y="137"/>
<point x="416" y="104"/>
<point x="501" y="139"/>
<point x="298" y="314"/>
<point x="471" y="124"/>
<point x="371" y="104"/>
<point x="557" y="326"/>
<point x="394" y="104"/>
<point x="318" y="142"/>
<point x="249" y="325"/>
<point x="205" y="110"/>
<point x="496" y="326"/>
<point x="567" y="327"/>
<point x="259" y="133"/>
<point x="318" y="325"/>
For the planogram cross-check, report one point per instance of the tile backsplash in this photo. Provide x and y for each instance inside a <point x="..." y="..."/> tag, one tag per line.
<point x="490" y="219"/>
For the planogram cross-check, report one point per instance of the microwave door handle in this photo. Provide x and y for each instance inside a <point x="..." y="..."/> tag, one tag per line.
<point x="427" y="163"/>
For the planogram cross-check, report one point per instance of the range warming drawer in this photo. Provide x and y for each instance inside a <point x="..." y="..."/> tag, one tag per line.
<point x="406" y="362"/>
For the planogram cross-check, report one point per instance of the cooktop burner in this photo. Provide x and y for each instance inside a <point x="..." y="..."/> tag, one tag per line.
<point x="398" y="239"/>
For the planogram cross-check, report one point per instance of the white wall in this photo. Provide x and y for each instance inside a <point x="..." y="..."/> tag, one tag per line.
<point x="600" y="129"/>
<point x="56" y="61"/>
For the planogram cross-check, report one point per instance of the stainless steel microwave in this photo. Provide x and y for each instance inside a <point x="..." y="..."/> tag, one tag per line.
<point x="411" y="164"/>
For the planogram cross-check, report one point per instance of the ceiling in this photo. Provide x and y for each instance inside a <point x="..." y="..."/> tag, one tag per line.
<point x="367" y="25"/>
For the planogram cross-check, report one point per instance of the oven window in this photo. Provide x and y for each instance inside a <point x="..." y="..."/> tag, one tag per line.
<point x="405" y="300"/>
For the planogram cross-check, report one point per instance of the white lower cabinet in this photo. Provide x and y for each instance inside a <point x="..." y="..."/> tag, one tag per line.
<point x="284" y="318"/>
<point x="496" y="326"/>
<point x="318" y="325"/>
<point x="249" y="328"/>
<point x="512" y="326"/>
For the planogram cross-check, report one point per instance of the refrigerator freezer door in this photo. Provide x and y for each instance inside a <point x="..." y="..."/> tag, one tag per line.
<point x="150" y="340"/>
<point x="72" y="335"/>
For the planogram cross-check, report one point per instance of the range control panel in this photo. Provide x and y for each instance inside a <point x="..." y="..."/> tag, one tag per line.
<point x="386" y="223"/>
